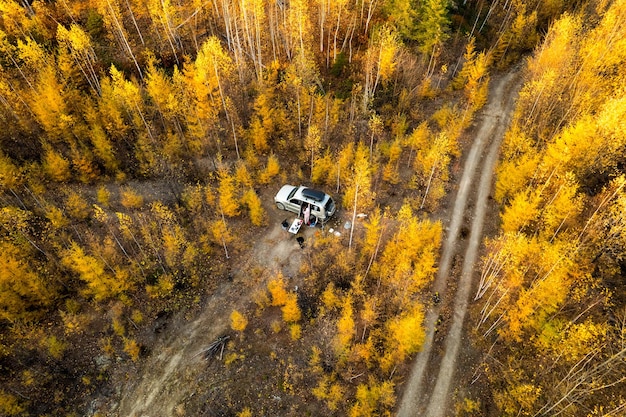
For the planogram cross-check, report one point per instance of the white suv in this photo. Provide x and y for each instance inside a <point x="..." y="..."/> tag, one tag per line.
<point x="299" y="199"/>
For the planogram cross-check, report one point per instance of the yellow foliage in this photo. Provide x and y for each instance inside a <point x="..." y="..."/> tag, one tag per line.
<point x="373" y="398"/>
<point x="295" y="330"/>
<point x="369" y="314"/>
<point x="432" y="161"/>
<point x="84" y="166"/>
<point x="194" y="197"/>
<point x="562" y="208"/>
<point x="118" y="326"/>
<point x="162" y="288"/>
<point x="174" y="243"/>
<point x="345" y="327"/>
<point x="56" y="217"/>
<point x="246" y="412"/>
<point x="220" y="232"/>
<point x="329" y="297"/>
<point x="388" y="45"/>
<point x="55" y="347"/>
<point x="24" y="294"/>
<point x="405" y="335"/>
<point x="467" y="407"/>
<point x="258" y="135"/>
<point x="276" y="326"/>
<point x="130" y="198"/>
<point x="136" y="316"/>
<point x="107" y="346"/>
<point x="76" y="206"/>
<point x="468" y="57"/>
<point x="390" y="171"/>
<point x="258" y="217"/>
<point x="313" y="141"/>
<point x="320" y="391"/>
<point x="290" y="309"/>
<point x="9" y="173"/>
<point x="56" y="167"/>
<point x="579" y="339"/>
<point x="324" y="170"/>
<point x="100" y="284"/>
<point x="444" y="116"/>
<point x="517" y="397"/>
<point x="131" y="347"/>
<point x="521" y="211"/>
<point x="271" y="170"/>
<point x="227" y="194"/>
<point x="238" y="321"/>
<point x="330" y="391"/>
<point x="28" y="378"/>
<point x="360" y="181"/>
<point x="315" y="361"/>
<point x="232" y="357"/>
<point x="527" y="304"/>
<point x="373" y="229"/>
<point x="242" y="175"/>
<point x="512" y="175"/>
<point x="365" y="352"/>
<point x="277" y="290"/>
<point x="103" y="148"/>
<point x="418" y="139"/>
<point x="344" y="161"/>
<point x="103" y="195"/>
<point x="407" y="262"/>
<point x="9" y="405"/>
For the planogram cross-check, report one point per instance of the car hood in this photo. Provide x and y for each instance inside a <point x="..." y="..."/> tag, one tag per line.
<point x="283" y="193"/>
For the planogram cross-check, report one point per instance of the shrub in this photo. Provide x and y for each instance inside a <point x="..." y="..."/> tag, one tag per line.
<point x="238" y="321"/>
<point x="131" y="199"/>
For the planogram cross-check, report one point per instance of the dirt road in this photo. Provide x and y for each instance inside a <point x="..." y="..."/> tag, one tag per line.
<point x="166" y="377"/>
<point x="427" y="390"/>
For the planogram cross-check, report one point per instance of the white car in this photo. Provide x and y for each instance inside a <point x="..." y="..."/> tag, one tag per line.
<point x="298" y="200"/>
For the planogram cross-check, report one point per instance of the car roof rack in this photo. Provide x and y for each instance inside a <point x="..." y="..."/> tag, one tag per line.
<point x="313" y="194"/>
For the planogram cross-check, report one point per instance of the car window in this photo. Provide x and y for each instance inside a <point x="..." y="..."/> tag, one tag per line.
<point x="295" y="201"/>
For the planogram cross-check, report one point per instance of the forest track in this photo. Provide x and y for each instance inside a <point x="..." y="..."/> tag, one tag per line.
<point x="177" y="364"/>
<point x="432" y="399"/>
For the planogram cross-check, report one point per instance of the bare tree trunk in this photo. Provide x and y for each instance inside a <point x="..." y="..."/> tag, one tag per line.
<point x="430" y="179"/>
<point x="356" y="193"/>
<point x="228" y="116"/>
<point x="132" y="16"/>
<point x="124" y="40"/>
<point x="225" y="228"/>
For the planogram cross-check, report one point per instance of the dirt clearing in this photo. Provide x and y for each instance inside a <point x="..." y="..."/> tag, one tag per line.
<point x="178" y="359"/>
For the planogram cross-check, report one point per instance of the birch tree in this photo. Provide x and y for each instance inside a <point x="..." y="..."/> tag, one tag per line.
<point x="81" y="50"/>
<point x="212" y="68"/>
<point x="380" y="62"/>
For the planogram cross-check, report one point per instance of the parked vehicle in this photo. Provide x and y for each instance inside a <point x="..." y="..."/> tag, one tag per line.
<point x="306" y="202"/>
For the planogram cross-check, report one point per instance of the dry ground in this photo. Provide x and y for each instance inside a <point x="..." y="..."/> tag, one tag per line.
<point x="164" y="383"/>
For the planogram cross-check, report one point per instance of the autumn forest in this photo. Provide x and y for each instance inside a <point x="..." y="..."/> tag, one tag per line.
<point x="142" y="143"/>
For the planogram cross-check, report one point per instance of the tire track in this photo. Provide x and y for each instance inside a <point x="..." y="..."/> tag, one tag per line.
<point x="493" y="125"/>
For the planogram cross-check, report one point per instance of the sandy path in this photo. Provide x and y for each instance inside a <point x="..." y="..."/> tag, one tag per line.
<point x="494" y="120"/>
<point x="166" y="377"/>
